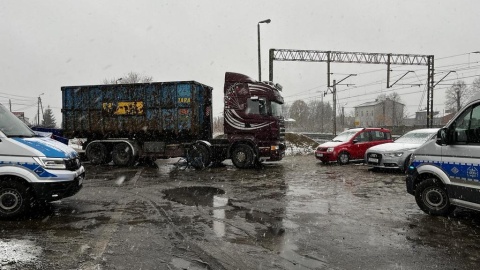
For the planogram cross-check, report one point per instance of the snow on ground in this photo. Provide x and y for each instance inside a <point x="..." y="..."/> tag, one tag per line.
<point x="298" y="144"/>
<point x="14" y="252"/>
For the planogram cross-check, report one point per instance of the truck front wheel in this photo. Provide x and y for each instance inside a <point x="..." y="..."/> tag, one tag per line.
<point x="14" y="199"/>
<point x="122" y="155"/>
<point x="432" y="198"/>
<point x="243" y="156"/>
<point x="97" y="153"/>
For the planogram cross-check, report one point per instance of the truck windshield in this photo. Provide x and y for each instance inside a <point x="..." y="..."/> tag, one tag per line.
<point x="11" y="126"/>
<point x="276" y="109"/>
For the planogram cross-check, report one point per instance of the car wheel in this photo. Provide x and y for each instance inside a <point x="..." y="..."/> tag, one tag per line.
<point x="343" y="158"/>
<point x="432" y="198"/>
<point x="15" y="199"/>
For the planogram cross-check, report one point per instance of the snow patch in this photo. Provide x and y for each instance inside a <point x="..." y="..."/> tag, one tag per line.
<point x="14" y="252"/>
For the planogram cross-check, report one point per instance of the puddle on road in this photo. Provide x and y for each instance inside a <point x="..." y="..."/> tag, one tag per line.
<point x="184" y="264"/>
<point x="15" y="253"/>
<point x="270" y="234"/>
<point x="193" y="196"/>
<point x="202" y="196"/>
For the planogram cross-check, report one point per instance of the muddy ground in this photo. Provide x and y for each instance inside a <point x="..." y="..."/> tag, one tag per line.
<point x="294" y="214"/>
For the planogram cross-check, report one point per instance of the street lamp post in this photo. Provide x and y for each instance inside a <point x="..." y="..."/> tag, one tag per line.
<point x="39" y="101"/>
<point x="259" y="58"/>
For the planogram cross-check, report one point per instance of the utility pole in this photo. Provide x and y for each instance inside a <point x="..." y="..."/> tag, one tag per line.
<point x="259" y="57"/>
<point x="322" y="114"/>
<point x="334" y="92"/>
<point x="334" y="89"/>
<point x="39" y="102"/>
<point x="10" y="103"/>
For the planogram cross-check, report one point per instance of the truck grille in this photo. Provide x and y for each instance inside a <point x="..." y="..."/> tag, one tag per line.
<point x="73" y="164"/>
<point x="282" y="130"/>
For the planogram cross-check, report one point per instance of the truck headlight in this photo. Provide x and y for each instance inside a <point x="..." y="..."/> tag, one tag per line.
<point x="51" y="163"/>
<point x="395" y="154"/>
<point x="274" y="147"/>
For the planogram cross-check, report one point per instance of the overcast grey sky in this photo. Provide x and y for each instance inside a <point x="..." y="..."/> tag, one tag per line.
<point x="52" y="43"/>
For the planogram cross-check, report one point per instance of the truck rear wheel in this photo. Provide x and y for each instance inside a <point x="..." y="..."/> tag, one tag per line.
<point x="243" y="156"/>
<point x="198" y="156"/>
<point x="122" y="154"/>
<point x="14" y="199"/>
<point x="97" y="153"/>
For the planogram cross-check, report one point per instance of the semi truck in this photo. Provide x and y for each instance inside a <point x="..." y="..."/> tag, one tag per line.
<point x="126" y="123"/>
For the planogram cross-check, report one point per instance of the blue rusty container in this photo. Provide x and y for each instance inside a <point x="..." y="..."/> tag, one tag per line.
<point x="159" y="111"/>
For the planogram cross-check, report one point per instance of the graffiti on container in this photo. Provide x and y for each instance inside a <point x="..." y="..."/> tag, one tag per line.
<point x="183" y="100"/>
<point x="123" y="108"/>
<point x="184" y="120"/>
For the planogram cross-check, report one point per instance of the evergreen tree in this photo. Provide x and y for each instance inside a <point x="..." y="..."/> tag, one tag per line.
<point x="48" y="119"/>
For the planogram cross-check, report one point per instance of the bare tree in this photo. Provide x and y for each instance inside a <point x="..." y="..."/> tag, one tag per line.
<point x="300" y="112"/>
<point x="218" y="124"/>
<point x="457" y="95"/>
<point x="476" y="86"/>
<point x="131" y="77"/>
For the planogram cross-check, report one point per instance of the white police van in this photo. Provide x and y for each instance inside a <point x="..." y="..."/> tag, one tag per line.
<point x="33" y="168"/>
<point x="445" y="173"/>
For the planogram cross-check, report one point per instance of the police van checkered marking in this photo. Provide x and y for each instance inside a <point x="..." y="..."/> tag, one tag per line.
<point x="462" y="171"/>
<point x="34" y="167"/>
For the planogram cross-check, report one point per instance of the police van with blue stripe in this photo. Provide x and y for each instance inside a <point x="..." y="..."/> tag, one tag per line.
<point x="445" y="173"/>
<point x="33" y="169"/>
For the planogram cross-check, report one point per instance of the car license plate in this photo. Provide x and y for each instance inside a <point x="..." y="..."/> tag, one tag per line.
<point x="373" y="160"/>
<point x="319" y="155"/>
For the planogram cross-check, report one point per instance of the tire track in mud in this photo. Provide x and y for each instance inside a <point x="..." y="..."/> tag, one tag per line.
<point x="101" y="244"/>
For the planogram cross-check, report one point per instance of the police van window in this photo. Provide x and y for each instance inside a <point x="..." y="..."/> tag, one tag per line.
<point x="467" y="126"/>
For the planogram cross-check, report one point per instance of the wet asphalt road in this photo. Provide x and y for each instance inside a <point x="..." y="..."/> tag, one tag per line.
<point x="295" y="214"/>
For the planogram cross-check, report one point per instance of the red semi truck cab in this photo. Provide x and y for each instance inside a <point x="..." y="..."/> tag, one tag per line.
<point x="253" y="119"/>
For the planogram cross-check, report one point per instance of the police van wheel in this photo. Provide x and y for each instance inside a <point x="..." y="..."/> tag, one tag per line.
<point x="14" y="199"/>
<point x="432" y="198"/>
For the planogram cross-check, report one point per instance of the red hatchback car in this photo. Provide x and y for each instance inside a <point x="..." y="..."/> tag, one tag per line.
<point x="352" y="144"/>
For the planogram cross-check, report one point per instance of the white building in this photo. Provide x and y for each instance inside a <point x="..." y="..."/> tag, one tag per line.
<point x="379" y="113"/>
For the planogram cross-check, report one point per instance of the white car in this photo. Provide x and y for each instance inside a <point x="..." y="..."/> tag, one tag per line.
<point x="395" y="155"/>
